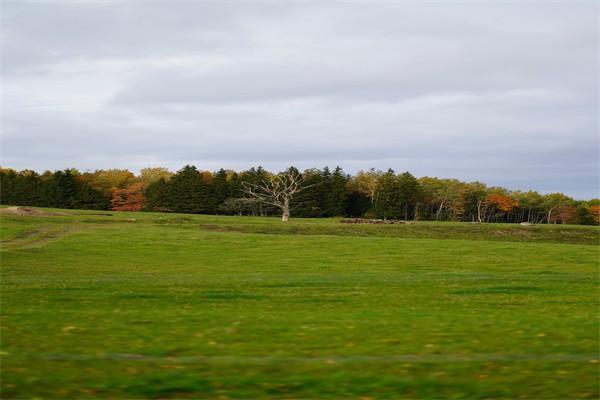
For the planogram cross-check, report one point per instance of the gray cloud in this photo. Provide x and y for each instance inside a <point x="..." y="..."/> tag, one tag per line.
<point x="505" y="93"/>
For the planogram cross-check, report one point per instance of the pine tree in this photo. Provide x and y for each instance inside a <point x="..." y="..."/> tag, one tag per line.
<point x="65" y="189"/>
<point x="189" y="193"/>
<point x="309" y="202"/>
<point x="157" y="196"/>
<point x="221" y="188"/>
<point x="89" y="198"/>
<point x="8" y="182"/>
<point x="357" y="204"/>
<point x="337" y="197"/>
<point x="324" y="190"/>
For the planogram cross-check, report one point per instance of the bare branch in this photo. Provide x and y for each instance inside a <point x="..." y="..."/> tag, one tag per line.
<point x="277" y="190"/>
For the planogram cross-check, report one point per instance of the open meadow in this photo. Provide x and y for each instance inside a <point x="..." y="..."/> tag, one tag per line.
<point x="149" y="305"/>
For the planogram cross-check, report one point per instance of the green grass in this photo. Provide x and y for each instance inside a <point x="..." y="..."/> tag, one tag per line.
<point x="144" y="305"/>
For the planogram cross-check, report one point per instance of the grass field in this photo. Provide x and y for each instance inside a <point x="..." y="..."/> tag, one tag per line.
<point x="143" y="305"/>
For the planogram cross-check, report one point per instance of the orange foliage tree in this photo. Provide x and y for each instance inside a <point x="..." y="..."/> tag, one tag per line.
<point x="128" y="199"/>
<point x="595" y="211"/>
<point x="502" y="202"/>
<point x="563" y="214"/>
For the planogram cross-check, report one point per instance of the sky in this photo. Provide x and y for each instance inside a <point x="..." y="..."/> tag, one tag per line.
<point x="501" y="92"/>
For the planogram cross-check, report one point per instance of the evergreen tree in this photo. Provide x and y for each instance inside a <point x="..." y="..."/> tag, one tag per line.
<point x="324" y="189"/>
<point x="357" y="204"/>
<point x="337" y="195"/>
<point x="27" y="190"/>
<point x="309" y="203"/>
<point x="221" y="187"/>
<point x="157" y="196"/>
<point x="8" y="183"/>
<point x="65" y="189"/>
<point x="189" y="193"/>
<point x="255" y="176"/>
<point x="234" y="185"/>
<point x="89" y="198"/>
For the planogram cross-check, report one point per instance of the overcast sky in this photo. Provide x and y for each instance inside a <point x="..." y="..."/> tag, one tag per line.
<point x="501" y="92"/>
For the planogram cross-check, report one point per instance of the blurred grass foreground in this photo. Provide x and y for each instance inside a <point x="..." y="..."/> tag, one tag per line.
<point x="146" y="305"/>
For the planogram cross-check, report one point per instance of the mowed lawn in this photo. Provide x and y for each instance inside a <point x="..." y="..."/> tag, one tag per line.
<point x="136" y="305"/>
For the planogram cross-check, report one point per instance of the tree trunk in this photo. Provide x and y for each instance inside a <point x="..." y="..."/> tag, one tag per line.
<point x="479" y="211"/>
<point x="437" y="215"/>
<point x="285" y="211"/>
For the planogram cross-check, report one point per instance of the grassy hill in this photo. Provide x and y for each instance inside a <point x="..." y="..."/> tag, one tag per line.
<point x="147" y="305"/>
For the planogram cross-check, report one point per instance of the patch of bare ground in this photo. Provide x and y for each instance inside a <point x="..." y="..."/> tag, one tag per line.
<point x="28" y="211"/>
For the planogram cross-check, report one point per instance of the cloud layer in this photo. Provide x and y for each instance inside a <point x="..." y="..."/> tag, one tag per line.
<point x="505" y="93"/>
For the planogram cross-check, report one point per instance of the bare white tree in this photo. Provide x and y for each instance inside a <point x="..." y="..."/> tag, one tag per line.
<point x="277" y="190"/>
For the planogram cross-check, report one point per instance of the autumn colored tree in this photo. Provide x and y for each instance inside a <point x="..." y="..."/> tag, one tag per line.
<point x="153" y="174"/>
<point x="365" y="182"/>
<point x="554" y="204"/>
<point x="499" y="204"/>
<point x="583" y="214"/>
<point x="564" y="214"/>
<point x="128" y="199"/>
<point x="107" y="180"/>
<point x="595" y="211"/>
<point x="502" y="202"/>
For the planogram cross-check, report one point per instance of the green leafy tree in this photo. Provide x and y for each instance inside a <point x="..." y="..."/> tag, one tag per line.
<point x="556" y="206"/>
<point x="387" y="196"/>
<point x="409" y="194"/>
<point x="474" y="196"/>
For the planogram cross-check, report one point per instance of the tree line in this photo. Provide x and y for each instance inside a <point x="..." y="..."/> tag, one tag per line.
<point x="326" y="193"/>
